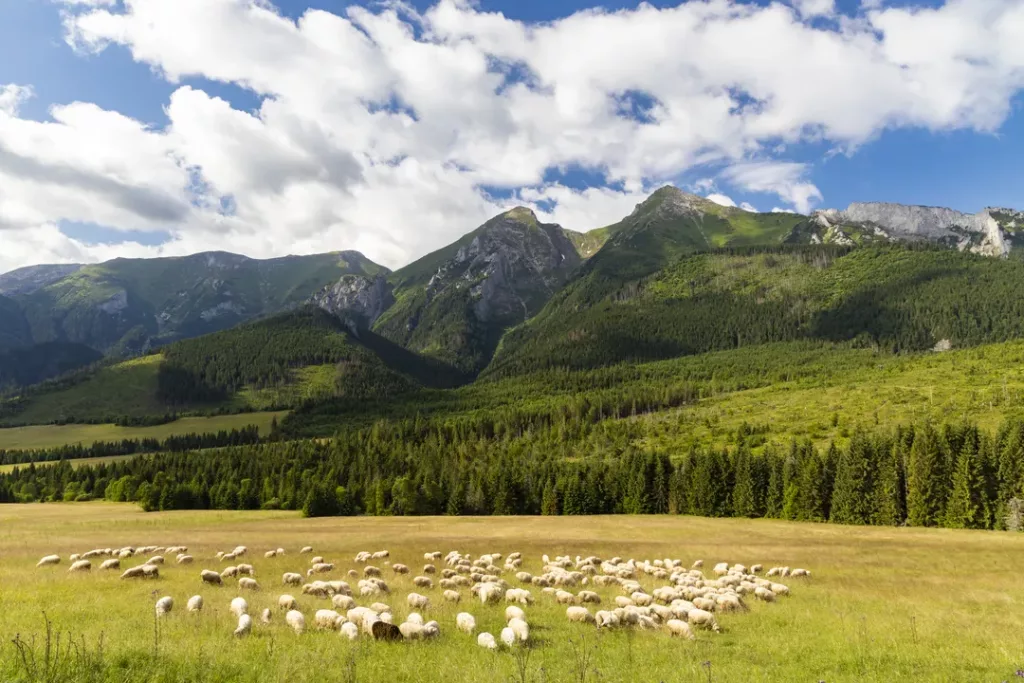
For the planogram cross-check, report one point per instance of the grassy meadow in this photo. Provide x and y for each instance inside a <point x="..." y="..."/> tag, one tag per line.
<point x="884" y="604"/>
<point x="50" y="436"/>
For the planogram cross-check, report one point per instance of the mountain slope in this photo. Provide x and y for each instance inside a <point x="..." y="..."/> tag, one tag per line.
<point x="14" y="329"/>
<point x="30" y="278"/>
<point x="455" y="303"/>
<point x="126" y="306"/>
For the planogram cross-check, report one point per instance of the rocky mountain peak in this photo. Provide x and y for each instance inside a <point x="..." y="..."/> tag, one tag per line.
<point x="357" y="299"/>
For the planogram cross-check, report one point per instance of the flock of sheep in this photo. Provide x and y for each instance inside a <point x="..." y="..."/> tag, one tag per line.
<point x="687" y="598"/>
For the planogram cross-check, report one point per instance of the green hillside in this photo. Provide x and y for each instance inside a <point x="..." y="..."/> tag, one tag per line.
<point x="126" y="306"/>
<point x="13" y="327"/>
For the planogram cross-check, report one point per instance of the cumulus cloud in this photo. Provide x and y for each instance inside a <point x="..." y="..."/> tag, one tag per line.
<point x="392" y="131"/>
<point x="721" y="199"/>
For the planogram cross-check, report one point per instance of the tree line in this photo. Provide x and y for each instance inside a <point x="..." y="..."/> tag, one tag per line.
<point x="956" y="476"/>
<point x="101" y="449"/>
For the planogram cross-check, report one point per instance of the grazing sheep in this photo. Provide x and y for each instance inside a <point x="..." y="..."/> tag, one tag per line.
<point x="247" y="584"/>
<point x="677" y="627"/>
<point x="317" y="560"/>
<point x="370" y="570"/>
<point x="508" y="636"/>
<point x="412" y="631"/>
<point x="239" y="607"/>
<point x="327" y="619"/>
<point x="513" y="612"/>
<point x="286" y="602"/>
<point x="381" y="630"/>
<point x="80" y="566"/>
<point x="156" y="559"/>
<point x="132" y="573"/>
<point x="344" y="602"/>
<point x="805" y="573"/>
<point x="417" y="601"/>
<point x="246" y="570"/>
<point x="756" y="568"/>
<point x="291" y="579"/>
<point x="112" y="563"/>
<point x="150" y="571"/>
<point x="579" y="614"/>
<point x="565" y="598"/>
<point x="623" y="601"/>
<point x="762" y="593"/>
<point x="184" y="559"/>
<point x="211" y="577"/>
<point x="465" y="622"/>
<point x="349" y="630"/>
<point x="195" y="603"/>
<point x="429" y="569"/>
<point x="49" y="559"/>
<point x="697" y="564"/>
<point x="320" y="568"/>
<point x="415" y="618"/>
<point x="295" y="620"/>
<point x="486" y="640"/>
<point x="266" y="616"/>
<point x="164" y="605"/>
<point x="244" y="626"/>
<point x="380" y="607"/>
<point x="452" y="596"/>
<point x="400" y="568"/>
<point x="229" y="572"/>
<point x="520" y="595"/>
<point x="699" y="617"/>
<point x="306" y="549"/>
<point x="74" y="557"/>
<point x="589" y="596"/>
<point x="422" y="582"/>
<point x="520" y="628"/>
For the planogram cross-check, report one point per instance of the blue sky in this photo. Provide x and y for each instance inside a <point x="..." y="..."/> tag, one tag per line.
<point x="965" y="158"/>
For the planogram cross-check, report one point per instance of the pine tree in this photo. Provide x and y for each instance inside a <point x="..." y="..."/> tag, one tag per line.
<point x="887" y="500"/>
<point x="743" y="499"/>
<point x="850" y="495"/>
<point x="549" y="503"/>
<point x="963" y="511"/>
<point x="923" y="485"/>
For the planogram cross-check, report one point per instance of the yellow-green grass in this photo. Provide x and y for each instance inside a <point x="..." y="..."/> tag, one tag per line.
<point x="983" y="385"/>
<point x="78" y="462"/>
<point x="884" y="604"/>
<point x="51" y="436"/>
<point x="307" y="383"/>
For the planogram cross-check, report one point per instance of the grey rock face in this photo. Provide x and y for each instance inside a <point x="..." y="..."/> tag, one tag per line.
<point x="29" y="279"/>
<point x="367" y="298"/>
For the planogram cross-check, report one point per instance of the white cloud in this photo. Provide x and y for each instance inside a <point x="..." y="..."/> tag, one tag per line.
<point x="11" y="98"/>
<point x="786" y="179"/>
<point x="721" y="199"/>
<point x="383" y="129"/>
<point x="747" y="206"/>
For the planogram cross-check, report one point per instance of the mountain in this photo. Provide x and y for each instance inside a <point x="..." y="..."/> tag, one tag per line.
<point x="455" y="303"/>
<point x="127" y="306"/>
<point x="14" y="329"/>
<point x="30" y="278"/>
<point x="990" y="232"/>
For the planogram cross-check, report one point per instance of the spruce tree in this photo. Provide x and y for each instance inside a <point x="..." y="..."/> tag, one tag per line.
<point x="850" y="495"/>
<point x="923" y="485"/>
<point x="743" y="501"/>
<point x="963" y="511"/>
<point x="887" y="500"/>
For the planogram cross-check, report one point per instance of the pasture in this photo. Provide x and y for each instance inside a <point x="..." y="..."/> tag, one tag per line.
<point x="52" y="436"/>
<point x="884" y="604"/>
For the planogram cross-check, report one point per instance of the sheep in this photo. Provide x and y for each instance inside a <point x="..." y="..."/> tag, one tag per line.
<point x="412" y="631"/>
<point x="431" y="629"/>
<point x="370" y="570"/>
<point x="606" y="619"/>
<point x="697" y="564"/>
<point x="623" y="601"/>
<point x="245" y="583"/>
<point x="452" y="596"/>
<point x="730" y="603"/>
<point x="699" y="617"/>
<point x="306" y="549"/>
<point x="269" y="554"/>
<point x="520" y="595"/>
<point x="762" y="593"/>
<point x="317" y="560"/>
<point x="74" y="557"/>
<point x="156" y="559"/>
<point x="589" y="596"/>
<point x="779" y="589"/>
<point x="486" y="640"/>
<point x="80" y="566"/>
<point x="184" y="559"/>
<point x="164" y="605"/>
<point x="520" y="628"/>
<point x="327" y="619"/>
<point x="579" y="614"/>
<point x="415" y="618"/>
<point x="400" y="568"/>
<point x="513" y="612"/>
<point x="229" y="572"/>
<point x="112" y="563"/>
<point x="805" y="573"/>
<point x="344" y="602"/>
<point x="508" y="636"/>
<point x="320" y="568"/>
<point x="266" y="616"/>
<point x="380" y="607"/>
<point x="565" y="598"/>
<point x="380" y="555"/>
<point x="246" y="569"/>
<point x="239" y="607"/>
<point x="211" y="577"/>
<point x="349" y="630"/>
<point x="286" y="602"/>
<point x="432" y="557"/>
<point x="381" y="630"/>
<point x="295" y="620"/>
<point x="244" y="626"/>
<point x="677" y="627"/>
<point x="195" y="603"/>
<point x="465" y="622"/>
<point x="417" y="601"/>
<point x="756" y="568"/>
<point x="524" y="577"/>
<point x="48" y="560"/>
<point x="641" y="599"/>
<point x="291" y="579"/>
<point x="422" y="582"/>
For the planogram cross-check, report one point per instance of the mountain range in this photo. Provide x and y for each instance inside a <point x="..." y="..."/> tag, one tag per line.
<point x="681" y="274"/>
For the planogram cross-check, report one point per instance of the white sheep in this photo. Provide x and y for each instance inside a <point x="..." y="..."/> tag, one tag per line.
<point x="452" y="596"/>
<point x="327" y="619"/>
<point x="266" y="615"/>
<point x="411" y="630"/>
<point x="680" y="628"/>
<point x="344" y="602"/>
<point x="699" y="617"/>
<point x="508" y="636"/>
<point x="606" y="619"/>
<point x="156" y="559"/>
<point x="306" y="549"/>
<point x="762" y="593"/>
<point x="422" y="582"/>
<point x="295" y="620"/>
<point x="291" y="579"/>
<point x="247" y="584"/>
<point x="112" y="563"/>
<point x="184" y="559"/>
<point x="195" y="603"/>
<point x="211" y="577"/>
<point x="520" y="628"/>
<point x="465" y="622"/>
<point x="239" y="607"/>
<point x="246" y="569"/>
<point x="349" y="630"/>
<point x="80" y="566"/>
<point x="513" y="612"/>
<point x="286" y="602"/>
<point x="417" y="601"/>
<point x="244" y="625"/>
<point x="579" y="614"/>
<point x="589" y="596"/>
<point x="269" y="554"/>
<point x="399" y="568"/>
<point x="415" y="618"/>
<point x="164" y="605"/>
<point x="486" y="640"/>
<point x="229" y="572"/>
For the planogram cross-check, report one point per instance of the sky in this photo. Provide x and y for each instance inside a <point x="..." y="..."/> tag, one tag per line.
<point x="139" y="128"/>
